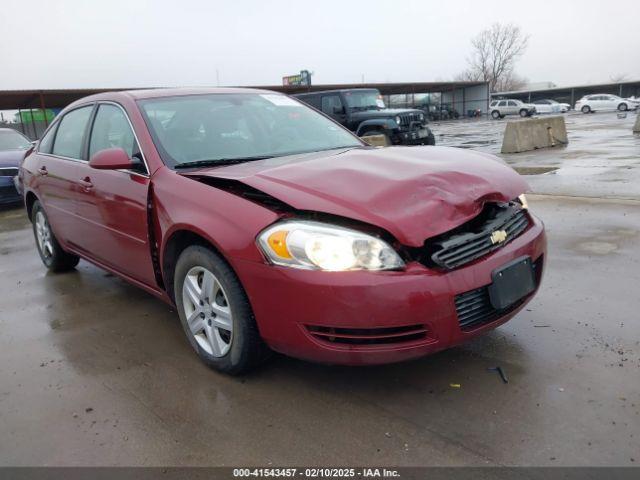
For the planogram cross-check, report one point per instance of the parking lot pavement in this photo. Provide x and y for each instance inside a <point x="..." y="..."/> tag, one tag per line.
<point x="96" y="372"/>
<point x="601" y="159"/>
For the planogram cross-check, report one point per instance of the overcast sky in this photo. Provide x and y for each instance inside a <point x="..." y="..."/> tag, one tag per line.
<point x="135" y="43"/>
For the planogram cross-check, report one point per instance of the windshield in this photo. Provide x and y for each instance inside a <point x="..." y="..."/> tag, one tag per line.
<point x="364" y="100"/>
<point x="12" y="140"/>
<point x="223" y="127"/>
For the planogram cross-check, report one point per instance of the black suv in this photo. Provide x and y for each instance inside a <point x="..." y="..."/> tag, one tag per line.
<point x="362" y="111"/>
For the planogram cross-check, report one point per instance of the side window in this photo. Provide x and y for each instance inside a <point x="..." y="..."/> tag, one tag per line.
<point x="503" y="103"/>
<point x="493" y="104"/>
<point x="47" y="141"/>
<point x="111" y="129"/>
<point x="313" y="100"/>
<point x="512" y="103"/>
<point x="330" y="102"/>
<point x="70" y="133"/>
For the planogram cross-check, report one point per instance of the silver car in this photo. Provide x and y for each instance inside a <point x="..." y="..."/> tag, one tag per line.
<point x="501" y="108"/>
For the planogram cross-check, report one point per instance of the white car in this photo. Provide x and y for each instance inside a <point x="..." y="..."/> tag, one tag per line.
<point x="500" y="108"/>
<point x="549" y="106"/>
<point x="565" y="107"/>
<point x="602" y="102"/>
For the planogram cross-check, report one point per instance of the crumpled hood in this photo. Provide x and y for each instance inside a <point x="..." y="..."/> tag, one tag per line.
<point x="412" y="192"/>
<point x="11" y="158"/>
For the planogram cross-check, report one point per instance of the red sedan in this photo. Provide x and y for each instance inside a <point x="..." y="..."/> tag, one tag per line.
<point x="270" y="227"/>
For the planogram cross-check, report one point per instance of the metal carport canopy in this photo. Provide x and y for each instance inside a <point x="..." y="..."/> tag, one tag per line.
<point x="60" y="98"/>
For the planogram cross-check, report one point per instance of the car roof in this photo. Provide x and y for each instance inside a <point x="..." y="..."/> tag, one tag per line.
<point x="143" y="94"/>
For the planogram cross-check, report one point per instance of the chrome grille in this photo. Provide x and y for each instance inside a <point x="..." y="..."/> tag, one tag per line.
<point x="8" y="171"/>
<point x="474" y="239"/>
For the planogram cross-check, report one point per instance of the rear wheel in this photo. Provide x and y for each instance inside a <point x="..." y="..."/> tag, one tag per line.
<point x="586" y="109"/>
<point x="51" y="253"/>
<point x="623" y="107"/>
<point x="215" y="312"/>
<point x="495" y="115"/>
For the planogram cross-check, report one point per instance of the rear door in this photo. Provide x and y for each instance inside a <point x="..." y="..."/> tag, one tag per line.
<point x="112" y="204"/>
<point x="512" y="107"/>
<point x="59" y="154"/>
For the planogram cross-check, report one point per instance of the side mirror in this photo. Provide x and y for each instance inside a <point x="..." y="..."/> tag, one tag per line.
<point x="111" y="159"/>
<point x="338" y="110"/>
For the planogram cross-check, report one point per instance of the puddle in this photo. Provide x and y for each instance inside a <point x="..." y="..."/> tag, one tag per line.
<point x="534" y="170"/>
<point x="598" y="248"/>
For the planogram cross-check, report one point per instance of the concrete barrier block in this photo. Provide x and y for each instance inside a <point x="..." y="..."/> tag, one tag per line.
<point x="636" y="127"/>
<point x="376" y="140"/>
<point x="534" y="133"/>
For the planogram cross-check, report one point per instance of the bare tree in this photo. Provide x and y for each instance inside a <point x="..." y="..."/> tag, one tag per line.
<point x="495" y="52"/>
<point x="619" y="77"/>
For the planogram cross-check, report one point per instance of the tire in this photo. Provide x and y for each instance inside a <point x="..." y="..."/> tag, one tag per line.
<point x="586" y="109"/>
<point x="524" y="113"/>
<point x="222" y="330"/>
<point x="51" y="253"/>
<point x="496" y="115"/>
<point x="623" y="107"/>
<point x="431" y="139"/>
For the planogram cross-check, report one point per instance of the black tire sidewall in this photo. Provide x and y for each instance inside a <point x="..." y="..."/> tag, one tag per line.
<point x="623" y="107"/>
<point x="240" y="355"/>
<point x="586" y="109"/>
<point x="495" y="115"/>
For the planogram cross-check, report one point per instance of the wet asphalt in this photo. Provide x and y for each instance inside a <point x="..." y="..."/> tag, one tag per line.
<point x="96" y="372"/>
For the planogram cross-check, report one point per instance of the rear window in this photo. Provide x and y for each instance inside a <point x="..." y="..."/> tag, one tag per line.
<point x="12" y="140"/>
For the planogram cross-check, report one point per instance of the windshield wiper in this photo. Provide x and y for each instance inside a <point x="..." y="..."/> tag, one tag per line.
<point x="221" y="161"/>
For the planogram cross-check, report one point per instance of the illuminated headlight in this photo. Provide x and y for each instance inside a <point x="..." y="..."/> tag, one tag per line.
<point x="398" y="120"/>
<point x="320" y="246"/>
<point x="523" y="201"/>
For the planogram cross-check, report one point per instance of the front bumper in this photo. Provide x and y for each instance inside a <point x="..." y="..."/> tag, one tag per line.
<point x="416" y="136"/>
<point x="290" y="305"/>
<point x="8" y="192"/>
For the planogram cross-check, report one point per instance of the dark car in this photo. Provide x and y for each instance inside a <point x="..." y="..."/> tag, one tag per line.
<point x="269" y="226"/>
<point x="363" y="111"/>
<point x="12" y="149"/>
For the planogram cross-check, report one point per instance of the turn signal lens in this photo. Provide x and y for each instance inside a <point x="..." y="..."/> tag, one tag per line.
<point x="278" y="243"/>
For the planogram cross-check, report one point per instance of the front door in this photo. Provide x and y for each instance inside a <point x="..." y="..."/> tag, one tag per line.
<point x="112" y="204"/>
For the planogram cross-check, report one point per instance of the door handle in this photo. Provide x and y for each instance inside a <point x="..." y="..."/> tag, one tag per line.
<point x="43" y="170"/>
<point x="86" y="183"/>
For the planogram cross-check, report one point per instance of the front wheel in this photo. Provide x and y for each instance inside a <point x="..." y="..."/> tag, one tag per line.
<point x="524" y="113"/>
<point x="623" y="107"/>
<point x="586" y="109"/>
<point x="215" y="312"/>
<point x="495" y="115"/>
<point x="51" y="253"/>
<point x="431" y="139"/>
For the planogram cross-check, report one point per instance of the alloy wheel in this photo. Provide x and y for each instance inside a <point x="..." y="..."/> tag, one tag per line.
<point x="207" y="311"/>
<point x="43" y="235"/>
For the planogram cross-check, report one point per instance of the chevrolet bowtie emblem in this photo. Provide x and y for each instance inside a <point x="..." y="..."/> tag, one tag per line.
<point x="498" y="236"/>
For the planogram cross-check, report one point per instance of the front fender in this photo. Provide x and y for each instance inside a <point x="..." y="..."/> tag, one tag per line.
<point x="382" y="123"/>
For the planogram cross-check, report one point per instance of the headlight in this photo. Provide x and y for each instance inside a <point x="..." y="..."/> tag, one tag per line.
<point x="523" y="201"/>
<point x="320" y="246"/>
<point x="398" y="120"/>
